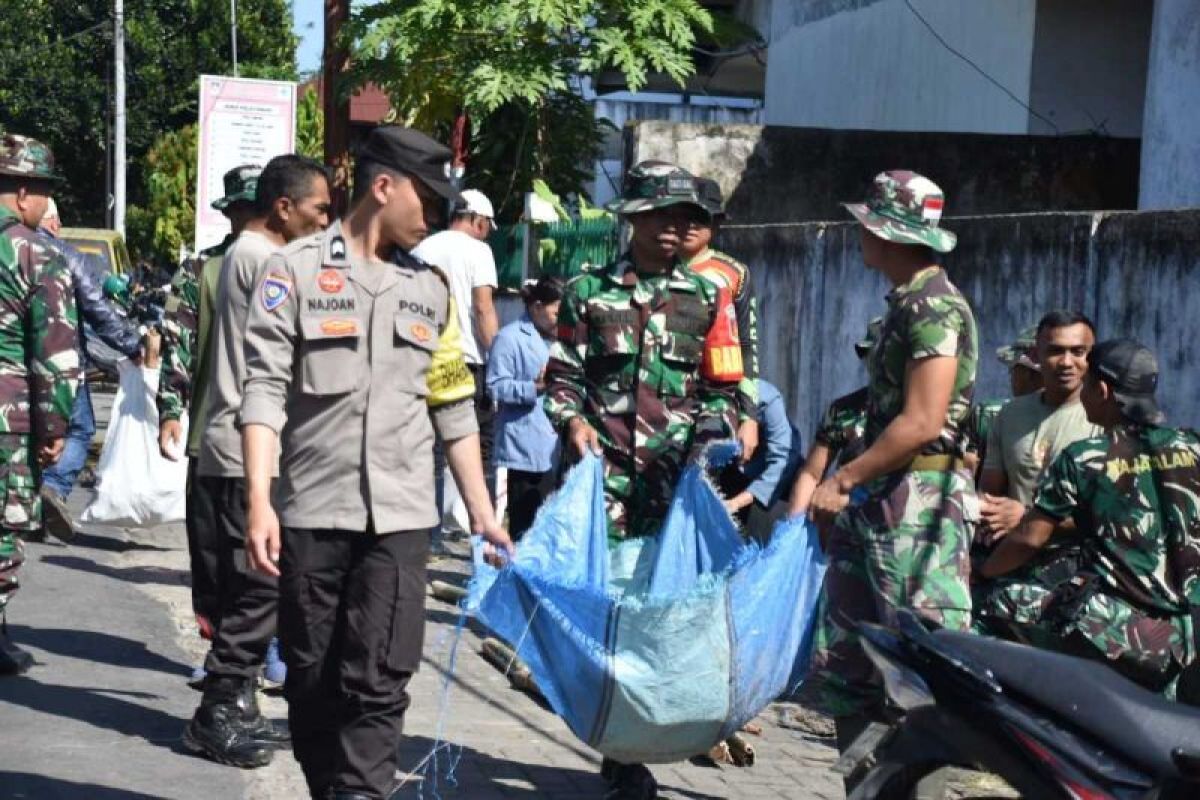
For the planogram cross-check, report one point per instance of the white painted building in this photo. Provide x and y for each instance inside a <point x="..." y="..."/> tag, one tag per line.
<point x="1127" y="68"/>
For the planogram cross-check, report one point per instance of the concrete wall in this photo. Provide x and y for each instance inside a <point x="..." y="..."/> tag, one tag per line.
<point x="620" y="112"/>
<point x="1089" y="66"/>
<point x="779" y="174"/>
<point x="1171" y="156"/>
<point x="872" y="65"/>
<point x="1135" y="274"/>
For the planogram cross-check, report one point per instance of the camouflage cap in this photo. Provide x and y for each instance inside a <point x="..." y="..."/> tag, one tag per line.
<point x="905" y="207"/>
<point x="1020" y="352"/>
<point x="865" y="345"/>
<point x="241" y="183"/>
<point x="26" y="157"/>
<point x="656" y="184"/>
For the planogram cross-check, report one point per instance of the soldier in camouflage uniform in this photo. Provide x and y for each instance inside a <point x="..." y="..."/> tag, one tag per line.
<point x="1024" y="378"/>
<point x="186" y="355"/>
<point x="726" y="272"/>
<point x="38" y="359"/>
<point x="1132" y="495"/>
<point x="839" y="436"/>
<point x="905" y="541"/>
<point x="625" y="376"/>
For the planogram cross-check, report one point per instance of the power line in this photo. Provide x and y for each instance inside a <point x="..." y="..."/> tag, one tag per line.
<point x="977" y="68"/>
<point x="22" y="54"/>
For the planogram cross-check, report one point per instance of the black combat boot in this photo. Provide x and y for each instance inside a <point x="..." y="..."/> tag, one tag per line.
<point x="13" y="660"/>
<point x="217" y="730"/>
<point x="260" y="728"/>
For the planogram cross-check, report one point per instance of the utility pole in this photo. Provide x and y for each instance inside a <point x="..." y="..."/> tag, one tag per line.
<point x="119" y="117"/>
<point x="233" y="33"/>
<point x="334" y="61"/>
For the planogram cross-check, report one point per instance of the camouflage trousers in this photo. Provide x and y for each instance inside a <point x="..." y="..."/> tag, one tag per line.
<point x="1080" y="619"/>
<point x="1013" y="607"/>
<point x="906" y="546"/>
<point x="22" y="509"/>
<point x="637" y="502"/>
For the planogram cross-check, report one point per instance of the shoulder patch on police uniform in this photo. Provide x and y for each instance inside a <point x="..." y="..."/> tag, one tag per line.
<point x="275" y="289"/>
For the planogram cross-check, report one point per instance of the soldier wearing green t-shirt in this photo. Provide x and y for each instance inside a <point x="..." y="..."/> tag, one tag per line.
<point x="1025" y="439"/>
<point x="1132" y="496"/>
<point x="905" y="543"/>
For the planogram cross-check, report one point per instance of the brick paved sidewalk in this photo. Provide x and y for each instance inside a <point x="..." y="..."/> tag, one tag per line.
<point x="511" y="746"/>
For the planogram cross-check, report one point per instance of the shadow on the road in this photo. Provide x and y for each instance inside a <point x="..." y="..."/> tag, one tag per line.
<point x="22" y="785"/>
<point x="99" y="707"/>
<point x="112" y="544"/>
<point x="140" y="575"/>
<point x="460" y="771"/>
<point x="468" y="773"/>
<point x="95" y="646"/>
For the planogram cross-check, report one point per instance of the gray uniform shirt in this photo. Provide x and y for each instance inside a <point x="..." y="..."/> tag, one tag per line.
<point x="221" y="442"/>
<point x="355" y="370"/>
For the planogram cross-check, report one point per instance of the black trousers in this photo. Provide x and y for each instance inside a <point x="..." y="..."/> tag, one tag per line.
<point x="526" y="493"/>
<point x="351" y="624"/>
<point x="202" y="538"/>
<point x="247" y="599"/>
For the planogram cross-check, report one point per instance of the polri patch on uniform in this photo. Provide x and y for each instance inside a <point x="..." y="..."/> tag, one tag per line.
<point x="275" y="289"/>
<point x="339" y="327"/>
<point x="331" y="281"/>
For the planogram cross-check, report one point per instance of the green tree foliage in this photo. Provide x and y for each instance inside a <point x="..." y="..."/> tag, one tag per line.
<point x="514" y="67"/>
<point x="56" y="84"/>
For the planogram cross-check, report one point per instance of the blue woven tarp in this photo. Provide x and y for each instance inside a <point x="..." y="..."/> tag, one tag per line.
<point x="657" y="649"/>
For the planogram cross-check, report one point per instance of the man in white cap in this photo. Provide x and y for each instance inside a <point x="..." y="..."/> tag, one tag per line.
<point x="462" y="252"/>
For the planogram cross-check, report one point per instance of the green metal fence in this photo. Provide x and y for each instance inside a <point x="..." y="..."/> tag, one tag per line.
<point x="507" y="243"/>
<point x="565" y="247"/>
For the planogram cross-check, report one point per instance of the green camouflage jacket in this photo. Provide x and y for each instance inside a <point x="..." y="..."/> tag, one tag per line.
<point x="926" y="317"/>
<point x="628" y="360"/>
<point x="185" y="323"/>
<point x="842" y="427"/>
<point x="39" y="360"/>
<point x="1135" y="498"/>
<point x="979" y="425"/>
<point x="179" y="340"/>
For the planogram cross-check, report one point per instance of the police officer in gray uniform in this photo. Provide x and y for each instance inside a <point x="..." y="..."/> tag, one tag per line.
<point x="353" y="360"/>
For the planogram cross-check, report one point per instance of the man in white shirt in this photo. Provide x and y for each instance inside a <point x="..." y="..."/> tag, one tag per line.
<point x="462" y="252"/>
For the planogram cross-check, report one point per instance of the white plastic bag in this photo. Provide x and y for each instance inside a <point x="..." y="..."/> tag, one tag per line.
<point x="137" y="487"/>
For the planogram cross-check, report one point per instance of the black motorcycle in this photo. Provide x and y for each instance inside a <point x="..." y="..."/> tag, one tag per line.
<point x="1051" y="725"/>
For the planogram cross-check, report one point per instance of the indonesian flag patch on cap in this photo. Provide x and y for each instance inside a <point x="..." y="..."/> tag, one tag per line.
<point x="931" y="208"/>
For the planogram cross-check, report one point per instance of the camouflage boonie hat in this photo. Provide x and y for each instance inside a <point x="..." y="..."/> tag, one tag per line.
<point x="26" y="158"/>
<point x="241" y="183"/>
<point x="656" y="184"/>
<point x="865" y="345"/>
<point x="1020" y="352"/>
<point x="905" y="207"/>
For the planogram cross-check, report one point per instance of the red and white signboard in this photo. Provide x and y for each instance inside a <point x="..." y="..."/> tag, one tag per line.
<point x="242" y="121"/>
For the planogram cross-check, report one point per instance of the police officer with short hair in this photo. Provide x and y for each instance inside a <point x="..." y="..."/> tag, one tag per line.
<point x="353" y="360"/>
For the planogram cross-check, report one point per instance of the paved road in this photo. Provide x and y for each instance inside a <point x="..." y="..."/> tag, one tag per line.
<point x="101" y="714"/>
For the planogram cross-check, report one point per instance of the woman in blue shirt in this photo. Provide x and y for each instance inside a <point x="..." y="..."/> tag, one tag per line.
<point x="757" y="491"/>
<point x="525" y="441"/>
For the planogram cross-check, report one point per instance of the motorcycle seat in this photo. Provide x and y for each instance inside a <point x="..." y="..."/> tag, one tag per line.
<point x="1090" y="697"/>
